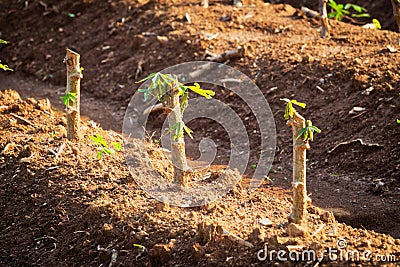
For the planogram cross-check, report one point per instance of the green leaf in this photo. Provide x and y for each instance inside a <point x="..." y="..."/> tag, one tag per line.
<point x="315" y="129"/>
<point x="332" y="4"/>
<point x="307" y="133"/>
<point x="362" y="15"/>
<point x="301" y="132"/>
<point x="107" y="150"/>
<point x="99" y="154"/>
<point x="398" y="121"/>
<point x="168" y="79"/>
<point x="117" y="146"/>
<point x="138" y="246"/>
<point x="148" y="77"/>
<point x="188" y="131"/>
<point x="68" y="99"/>
<point x="98" y="139"/>
<point x="358" y="8"/>
<point x="71" y="15"/>
<point x="3" y="41"/>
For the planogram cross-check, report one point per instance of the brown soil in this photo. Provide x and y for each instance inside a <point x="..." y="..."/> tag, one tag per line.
<point x="74" y="210"/>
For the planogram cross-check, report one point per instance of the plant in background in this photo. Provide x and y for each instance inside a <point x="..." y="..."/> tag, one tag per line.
<point x="102" y="146"/>
<point x="302" y="133"/>
<point x="339" y="11"/>
<point x="174" y="96"/>
<point x="2" y="66"/>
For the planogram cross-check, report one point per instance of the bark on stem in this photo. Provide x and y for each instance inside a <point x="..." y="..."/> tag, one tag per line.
<point x="178" y="155"/>
<point x="74" y="76"/>
<point x="325" y="33"/>
<point x="299" y="170"/>
<point x="396" y="12"/>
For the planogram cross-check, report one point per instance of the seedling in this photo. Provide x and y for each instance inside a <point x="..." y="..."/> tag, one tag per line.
<point x="72" y="94"/>
<point x="2" y="66"/>
<point x="102" y="146"/>
<point x="175" y="97"/>
<point x="302" y="133"/>
<point x="307" y="133"/>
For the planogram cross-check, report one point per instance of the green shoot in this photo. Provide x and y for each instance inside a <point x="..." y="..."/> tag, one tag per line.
<point x="398" y="121"/>
<point x="359" y="11"/>
<point x="178" y="129"/>
<point x="289" y="111"/>
<point x="162" y="83"/>
<point x="3" y="41"/>
<point x="160" y="88"/>
<point x="339" y="11"/>
<point x="307" y="133"/>
<point x="102" y="146"/>
<point x="69" y="99"/>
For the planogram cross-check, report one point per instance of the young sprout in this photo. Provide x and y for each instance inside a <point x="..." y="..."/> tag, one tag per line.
<point x="307" y="132"/>
<point x="102" y="146"/>
<point x="290" y="110"/>
<point x="174" y="96"/>
<point x="303" y="129"/>
<point x="161" y="88"/>
<point x="68" y="99"/>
